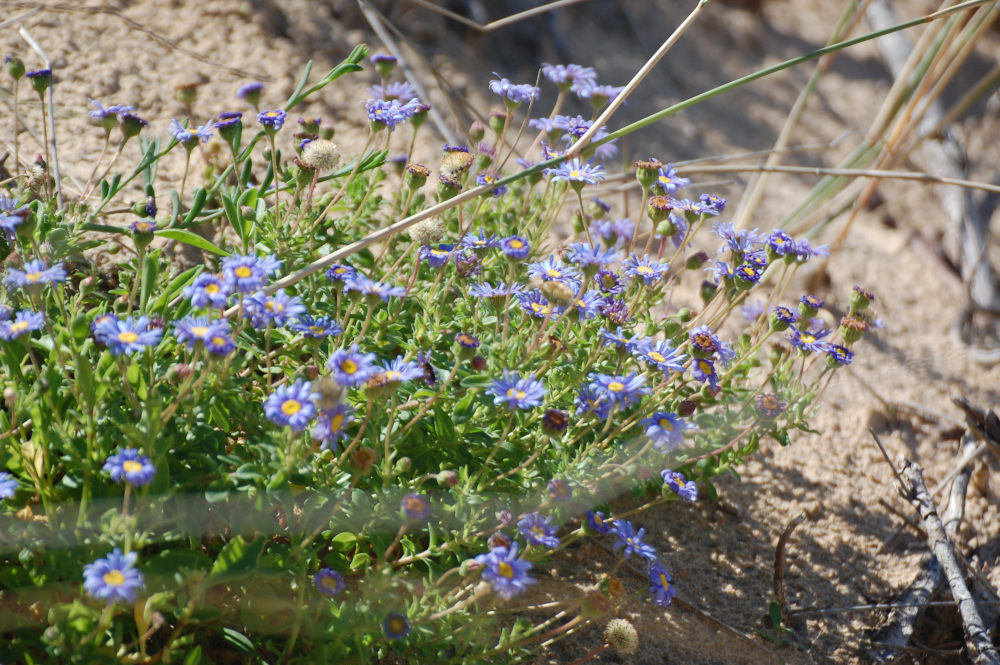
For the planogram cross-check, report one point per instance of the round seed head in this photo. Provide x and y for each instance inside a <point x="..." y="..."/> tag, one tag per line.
<point x="621" y="636"/>
<point x="321" y="154"/>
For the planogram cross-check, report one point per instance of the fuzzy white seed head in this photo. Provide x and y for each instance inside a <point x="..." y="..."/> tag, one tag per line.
<point x="621" y="636"/>
<point x="321" y="155"/>
<point x="428" y="231"/>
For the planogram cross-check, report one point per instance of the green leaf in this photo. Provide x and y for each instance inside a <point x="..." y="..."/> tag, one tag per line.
<point x="193" y="656"/>
<point x="360" y="560"/>
<point x="344" y="541"/>
<point x="249" y="198"/>
<point x="477" y="381"/>
<point x="235" y="217"/>
<point x="237" y="560"/>
<point x="175" y="205"/>
<point x="200" y="195"/>
<point x="175" y="287"/>
<point x="193" y="239"/>
<point x="774" y="611"/>
<point x="150" y="268"/>
<point x="301" y="86"/>
<point x="238" y="640"/>
<point x="85" y="380"/>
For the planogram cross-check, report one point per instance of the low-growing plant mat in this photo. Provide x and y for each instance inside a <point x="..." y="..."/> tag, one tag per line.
<point x="720" y="553"/>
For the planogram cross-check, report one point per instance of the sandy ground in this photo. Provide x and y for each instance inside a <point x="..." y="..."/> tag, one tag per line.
<point x="721" y="554"/>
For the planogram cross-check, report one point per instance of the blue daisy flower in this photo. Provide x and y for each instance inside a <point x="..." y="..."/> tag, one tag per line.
<point x="630" y="541"/>
<point x="517" y="392"/>
<point x="538" y="530"/>
<point x="114" y="578"/>
<point x="292" y="406"/>
<point x="130" y="466"/>
<point x="331" y="425"/>
<point x="127" y="335"/>
<point x="351" y="367"/>
<point x="619" y="390"/>
<point x="666" y="430"/>
<point x="504" y="571"/>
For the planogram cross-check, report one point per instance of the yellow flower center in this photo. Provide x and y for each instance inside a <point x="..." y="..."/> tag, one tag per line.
<point x="666" y="424"/>
<point x="19" y="326"/>
<point x="807" y="338"/>
<point x="219" y="341"/>
<point x="131" y="466"/>
<point x="553" y="273"/>
<point x="664" y="582"/>
<point x="705" y="366"/>
<point x="317" y="330"/>
<point x="199" y="331"/>
<point x="243" y="271"/>
<point x="575" y="173"/>
<point x="329" y="583"/>
<point x="656" y="356"/>
<point x="273" y="306"/>
<point x="33" y="276"/>
<point x="212" y="288"/>
<point x="348" y="366"/>
<point x="516" y="244"/>
<point x="127" y="337"/>
<point x="336" y="422"/>
<point x="505" y="569"/>
<point x="616" y="386"/>
<point x="644" y="270"/>
<point x="290" y="407"/>
<point x="518" y="394"/>
<point x="114" y="578"/>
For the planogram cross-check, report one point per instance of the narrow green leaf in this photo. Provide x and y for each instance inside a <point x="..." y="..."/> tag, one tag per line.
<point x="238" y="640"/>
<point x="150" y="268"/>
<point x="235" y="217"/>
<point x="301" y="86"/>
<point x="200" y="195"/>
<point x="193" y="239"/>
<point x="175" y="207"/>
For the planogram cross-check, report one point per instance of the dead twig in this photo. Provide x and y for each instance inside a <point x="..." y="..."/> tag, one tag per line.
<point x="977" y="636"/>
<point x="779" y="568"/>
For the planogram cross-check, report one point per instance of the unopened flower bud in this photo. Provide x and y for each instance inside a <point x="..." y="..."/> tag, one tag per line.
<point x="647" y="171"/>
<point x="186" y="93"/>
<point x="14" y="67"/>
<point x="687" y="407"/>
<point x="696" y="261"/>
<point x="477" y="130"/>
<point x="447" y="188"/>
<point x="178" y="372"/>
<point x="852" y="328"/>
<point x="9" y="397"/>
<point x="707" y="290"/>
<point x="447" y="478"/>
<point x="384" y="64"/>
<point x="497" y="122"/>
<point x="659" y="208"/>
<point x="478" y="363"/>
<point x="861" y="298"/>
<point x="416" y="176"/>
